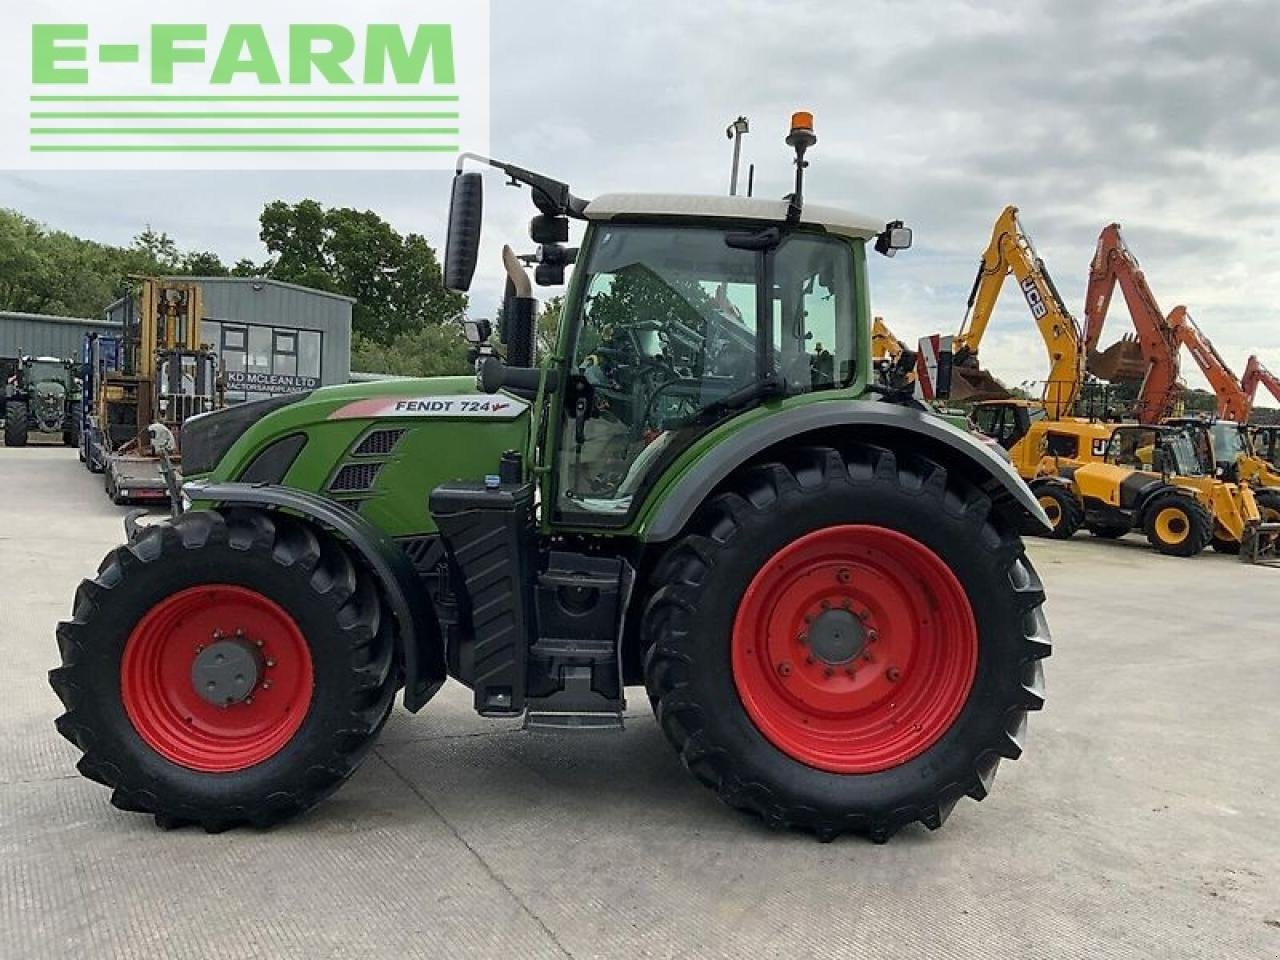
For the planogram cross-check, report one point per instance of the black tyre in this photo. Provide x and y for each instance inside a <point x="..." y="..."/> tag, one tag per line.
<point x="1177" y="525"/>
<point x="71" y="435"/>
<point x="305" y="680"/>
<point x="1104" y="532"/>
<point x="1062" y="508"/>
<point x="15" y="424"/>
<point x="867" y="580"/>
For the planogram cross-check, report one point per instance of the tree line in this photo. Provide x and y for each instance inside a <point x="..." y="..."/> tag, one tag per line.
<point x="401" y="322"/>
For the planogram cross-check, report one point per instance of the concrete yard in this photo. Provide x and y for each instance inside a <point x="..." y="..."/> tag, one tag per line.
<point x="1142" y="821"/>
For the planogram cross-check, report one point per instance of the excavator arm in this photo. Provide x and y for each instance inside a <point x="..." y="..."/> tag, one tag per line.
<point x="884" y="345"/>
<point x="1011" y="252"/>
<point x="1156" y="367"/>
<point x="1233" y="402"/>
<point x="1256" y="373"/>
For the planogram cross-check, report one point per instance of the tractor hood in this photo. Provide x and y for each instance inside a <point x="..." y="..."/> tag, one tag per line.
<point x="379" y="448"/>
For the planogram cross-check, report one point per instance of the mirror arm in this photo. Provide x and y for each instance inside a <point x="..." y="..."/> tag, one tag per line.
<point x="551" y="196"/>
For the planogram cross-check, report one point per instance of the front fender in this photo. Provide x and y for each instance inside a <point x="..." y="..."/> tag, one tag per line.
<point x="419" y="639"/>
<point x="877" y="421"/>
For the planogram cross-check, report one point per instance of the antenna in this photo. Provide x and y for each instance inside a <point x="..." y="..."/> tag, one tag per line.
<point x="735" y="132"/>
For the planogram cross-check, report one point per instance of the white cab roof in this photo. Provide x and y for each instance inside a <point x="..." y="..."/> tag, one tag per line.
<point x="613" y="205"/>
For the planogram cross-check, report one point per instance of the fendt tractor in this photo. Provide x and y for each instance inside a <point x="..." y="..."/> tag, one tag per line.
<point x="820" y="586"/>
<point x="41" y="397"/>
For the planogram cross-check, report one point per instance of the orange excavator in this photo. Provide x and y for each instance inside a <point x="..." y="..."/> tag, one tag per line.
<point x="1255" y="374"/>
<point x="1010" y="251"/>
<point x="1233" y="403"/>
<point x="1150" y="358"/>
<point x="1234" y="448"/>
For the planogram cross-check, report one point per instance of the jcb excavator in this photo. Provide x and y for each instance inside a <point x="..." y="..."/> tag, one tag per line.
<point x="1030" y="431"/>
<point x="1150" y="358"/>
<point x="1011" y="252"/>
<point x="1232" y="443"/>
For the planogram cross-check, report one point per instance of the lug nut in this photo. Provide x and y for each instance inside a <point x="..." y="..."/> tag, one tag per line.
<point x="784" y="669"/>
<point x="802" y="640"/>
<point x="809" y="660"/>
<point x="256" y="643"/>
<point x="828" y="673"/>
<point x="270" y="662"/>
<point x="872" y="636"/>
<point x="893" y="674"/>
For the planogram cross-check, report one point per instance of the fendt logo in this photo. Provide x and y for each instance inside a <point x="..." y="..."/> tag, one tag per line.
<point x="239" y="84"/>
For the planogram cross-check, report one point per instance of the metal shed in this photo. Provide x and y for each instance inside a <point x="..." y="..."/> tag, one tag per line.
<point x="42" y="335"/>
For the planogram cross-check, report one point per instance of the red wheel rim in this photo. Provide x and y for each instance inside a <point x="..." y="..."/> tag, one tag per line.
<point x="854" y="649"/>
<point x="160" y="695"/>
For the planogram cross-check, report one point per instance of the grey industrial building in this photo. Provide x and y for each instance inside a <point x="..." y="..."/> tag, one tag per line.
<point x="272" y="337"/>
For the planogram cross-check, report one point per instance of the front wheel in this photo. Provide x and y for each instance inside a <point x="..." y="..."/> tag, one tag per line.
<point x="224" y="670"/>
<point x="15" y="424"/>
<point x="1064" y="511"/>
<point x="71" y="433"/>
<point x="846" y="642"/>
<point x="1178" y="525"/>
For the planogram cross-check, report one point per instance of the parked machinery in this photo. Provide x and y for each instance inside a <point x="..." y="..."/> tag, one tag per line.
<point x="1150" y="359"/>
<point x="42" y="396"/>
<point x="1232" y="442"/>
<point x="1161" y="480"/>
<point x="155" y="371"/>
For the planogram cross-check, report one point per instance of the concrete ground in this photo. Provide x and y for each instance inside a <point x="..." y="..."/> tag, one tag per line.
<point x="1140" y="823"/>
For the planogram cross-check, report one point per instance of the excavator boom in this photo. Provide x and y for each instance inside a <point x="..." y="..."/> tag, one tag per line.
<point x="1256" y="373"/>
<point x="1011" y="252"/>
<point x="1233" y="402"/>
<point x="1151" y="359"/>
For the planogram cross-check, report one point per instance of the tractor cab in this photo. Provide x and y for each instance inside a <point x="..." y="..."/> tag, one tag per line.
<point x="1177" y="451"/>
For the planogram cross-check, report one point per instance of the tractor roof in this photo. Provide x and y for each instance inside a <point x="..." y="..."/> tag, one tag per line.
<point x="612" y="206"/>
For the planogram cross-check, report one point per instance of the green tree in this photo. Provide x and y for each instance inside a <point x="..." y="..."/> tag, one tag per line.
<point x="435" y="350"/>
<point x="396" y="280"/>
<point x="203" y="263"/>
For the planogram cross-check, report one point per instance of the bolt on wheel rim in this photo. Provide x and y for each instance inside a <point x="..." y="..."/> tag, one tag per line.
<point x="866" y="698"/>
<point x="209" y="714"/>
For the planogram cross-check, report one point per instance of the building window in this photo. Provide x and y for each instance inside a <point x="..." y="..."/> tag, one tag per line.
<point x="260" y="361"/>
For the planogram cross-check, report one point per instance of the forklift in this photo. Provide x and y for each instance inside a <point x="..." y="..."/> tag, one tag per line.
<point x="155" y="371"/>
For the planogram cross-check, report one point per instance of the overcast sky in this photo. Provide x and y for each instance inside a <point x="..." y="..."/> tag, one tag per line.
<point x="1164" y="116"/>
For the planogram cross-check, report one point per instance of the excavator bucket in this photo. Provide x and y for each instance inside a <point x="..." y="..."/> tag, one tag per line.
<point x="1120" y="363"/>
<point x="971" y="384"/>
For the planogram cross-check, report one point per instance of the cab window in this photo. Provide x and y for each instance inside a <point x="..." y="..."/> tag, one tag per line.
<point x="668" y="340"/>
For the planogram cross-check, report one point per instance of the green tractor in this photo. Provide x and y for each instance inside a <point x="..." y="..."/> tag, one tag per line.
<point x="43" y="396"/>
<point x="700" y="490"/>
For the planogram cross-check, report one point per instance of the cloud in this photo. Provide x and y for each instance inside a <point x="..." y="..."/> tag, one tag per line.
<point x="1163" y="115"/>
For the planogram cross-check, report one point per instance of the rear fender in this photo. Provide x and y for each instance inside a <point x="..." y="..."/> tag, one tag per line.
<point x="418" y="635"/>
<point x="890" y="425"/>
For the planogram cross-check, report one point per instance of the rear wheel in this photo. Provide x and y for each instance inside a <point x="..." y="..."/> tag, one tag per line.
<point x="1062" y="508"/>
<point x="15" y="424"/>
<point x="846" y="643"/>
<point x="1178" y="525"/>
<point x="225" y="670"/>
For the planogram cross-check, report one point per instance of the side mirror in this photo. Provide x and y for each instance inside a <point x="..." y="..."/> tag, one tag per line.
<point x="894" y="237"/>
<point x="462" y="247"/>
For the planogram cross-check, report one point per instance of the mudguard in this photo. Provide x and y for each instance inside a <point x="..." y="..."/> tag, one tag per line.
<point x="878" y="421"/>
<point x="421" y="646"/>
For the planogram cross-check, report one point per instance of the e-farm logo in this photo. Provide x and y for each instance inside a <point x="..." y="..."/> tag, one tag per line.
<point x="235" y="84"/>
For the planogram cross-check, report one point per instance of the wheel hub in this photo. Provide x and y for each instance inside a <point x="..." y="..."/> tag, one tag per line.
<point x="837" y="637"/>
<point x="226" y="672"/>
